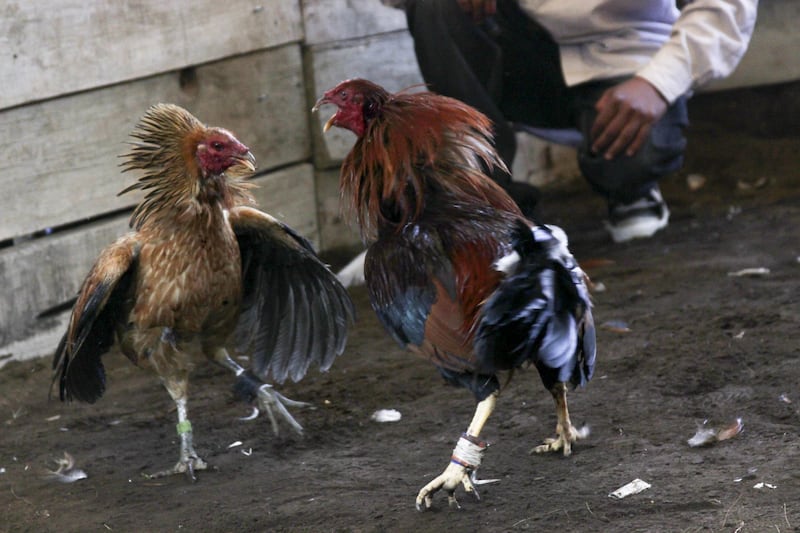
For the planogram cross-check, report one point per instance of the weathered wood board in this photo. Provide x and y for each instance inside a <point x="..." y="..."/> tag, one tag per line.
<point x="334" y="231"/>
<point x="63" y="46"/>
<point x="328" y="21"/>
<point x="60" y="157"/>
<point x="288" y="194"/>
<point x="387" y="60"/>
<point x="43" y="273"/>
<point x="772" y="56"/>
<point x="43" y="344"/>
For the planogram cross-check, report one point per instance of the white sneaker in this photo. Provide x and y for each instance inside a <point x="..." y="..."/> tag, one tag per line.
<point x="638" y="219"/>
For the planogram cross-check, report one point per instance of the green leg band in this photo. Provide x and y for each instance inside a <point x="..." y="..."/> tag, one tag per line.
<point x="184" y="427"/>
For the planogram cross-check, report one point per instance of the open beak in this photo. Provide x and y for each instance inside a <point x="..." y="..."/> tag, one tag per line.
<point x="248" y="160"/>
<point x="322" y="101"/>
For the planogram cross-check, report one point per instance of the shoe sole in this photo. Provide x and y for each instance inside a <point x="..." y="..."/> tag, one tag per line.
<point x="638" y="227"/>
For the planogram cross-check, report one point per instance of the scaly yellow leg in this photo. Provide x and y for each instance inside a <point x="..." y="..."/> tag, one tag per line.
<point x="458" y="470"/>
<point x="566" y="433"/>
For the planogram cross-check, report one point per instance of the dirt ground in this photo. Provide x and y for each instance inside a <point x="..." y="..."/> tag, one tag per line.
<point x="702" y="344"/>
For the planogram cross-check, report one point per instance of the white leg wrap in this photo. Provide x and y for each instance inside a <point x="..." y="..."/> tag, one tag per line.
<point x="468" y="452"/>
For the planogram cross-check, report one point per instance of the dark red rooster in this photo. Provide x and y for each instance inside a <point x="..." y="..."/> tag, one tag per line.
<point x="202" y="270"/>
<point x="454" y="271"/>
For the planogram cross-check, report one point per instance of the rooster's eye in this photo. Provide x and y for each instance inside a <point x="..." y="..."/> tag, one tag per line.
<point x="216" y="145"/>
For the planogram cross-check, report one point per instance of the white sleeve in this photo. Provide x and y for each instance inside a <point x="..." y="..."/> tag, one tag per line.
<point x="707" y="42"/>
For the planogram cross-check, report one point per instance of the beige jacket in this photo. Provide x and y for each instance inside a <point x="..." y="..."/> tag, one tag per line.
<point x="674" y="50"/>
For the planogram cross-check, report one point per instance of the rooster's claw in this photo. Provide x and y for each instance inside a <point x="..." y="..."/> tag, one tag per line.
<point x="565" y="437"/>
<point x="250" y="388"/>
<point x="184" y="466"/>
<point x="269" y="399"/>
<point x="447" y="480"/>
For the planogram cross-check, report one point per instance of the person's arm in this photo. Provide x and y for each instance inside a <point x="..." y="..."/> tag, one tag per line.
<point x="707" y="42"/>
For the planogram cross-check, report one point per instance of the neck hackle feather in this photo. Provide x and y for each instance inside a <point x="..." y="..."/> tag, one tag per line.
<point x="164" y="149"/>
<point x="415" y="144"/>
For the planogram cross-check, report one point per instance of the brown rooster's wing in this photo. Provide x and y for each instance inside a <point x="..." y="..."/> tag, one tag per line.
<point x="412" y="288"/>
<point x="294" y="310"/>
<point x="448" y="343"/>
<point x="103" y="303"/>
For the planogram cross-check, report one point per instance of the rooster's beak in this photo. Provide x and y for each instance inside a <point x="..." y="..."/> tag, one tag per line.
<point x="328" y="124"/>
<point x="322" y="101"/>
<point x="249" y="161"/>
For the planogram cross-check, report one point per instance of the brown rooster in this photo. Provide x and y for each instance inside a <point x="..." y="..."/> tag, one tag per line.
<point x="201" y="270"/>
<point x="454" y="271"/>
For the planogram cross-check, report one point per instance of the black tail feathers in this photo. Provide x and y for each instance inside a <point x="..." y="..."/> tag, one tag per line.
<point x="540" y="313"/>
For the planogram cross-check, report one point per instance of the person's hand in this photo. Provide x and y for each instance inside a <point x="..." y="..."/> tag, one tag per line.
<point x="479" y="9"/>
<point x="625" y="115"/>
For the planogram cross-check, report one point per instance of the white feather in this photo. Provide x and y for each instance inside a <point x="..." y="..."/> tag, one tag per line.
<point x="352" y="275"/>
<point x="508" y="263"/>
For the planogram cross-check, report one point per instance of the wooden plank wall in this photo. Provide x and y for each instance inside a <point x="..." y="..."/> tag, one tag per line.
<point x="772" y="54"/>
<point x="64" y="46"/>
<point x="62" y="162"/>
<point x="77" y="77"/>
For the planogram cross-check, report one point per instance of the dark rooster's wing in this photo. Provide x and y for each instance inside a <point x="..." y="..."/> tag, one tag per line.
<point x="412" y="289"/>
<point x="294" y="310"/>
<point x="103" y="304"/>
<point x="540" y="313"/>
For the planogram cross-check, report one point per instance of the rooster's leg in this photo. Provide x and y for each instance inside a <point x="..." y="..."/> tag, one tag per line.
<point x="189" y="461"/>
<point x="566" y="433"/>
<point x="252" y="388"/>
<point x="460" y="468"/>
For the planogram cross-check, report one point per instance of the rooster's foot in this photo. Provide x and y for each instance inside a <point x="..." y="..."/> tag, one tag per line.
<point x="250" y="388"/>
<point x="184" y="466"/>
<point x="269" y="399"/>
<point x="563" y="440"/>
<point x="448" y="481"/>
